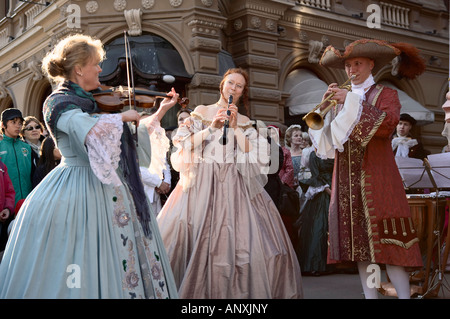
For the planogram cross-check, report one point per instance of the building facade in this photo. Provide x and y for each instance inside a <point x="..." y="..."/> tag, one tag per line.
<point x="189" y="44"/>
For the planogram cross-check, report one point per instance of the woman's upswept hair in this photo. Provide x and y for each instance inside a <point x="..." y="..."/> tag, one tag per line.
<point x="74" y="50"/>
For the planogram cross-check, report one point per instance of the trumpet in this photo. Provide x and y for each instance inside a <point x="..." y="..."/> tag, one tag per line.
<point x="314" y="119"/>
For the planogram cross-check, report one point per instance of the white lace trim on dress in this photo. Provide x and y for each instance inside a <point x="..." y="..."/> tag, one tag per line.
<point x="103" y="145"/>
<point x="253" y="166"/>
<point x="184" y="160"/>
<point x="160" y="144"/>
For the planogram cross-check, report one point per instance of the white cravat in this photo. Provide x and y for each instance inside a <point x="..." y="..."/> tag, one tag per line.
<point x="403" y="144"/>
<point x="361" y="89"/>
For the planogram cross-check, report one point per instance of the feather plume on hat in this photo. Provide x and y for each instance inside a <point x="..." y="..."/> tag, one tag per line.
<point x="409" y="63"/>
<point x="406" y="58"/>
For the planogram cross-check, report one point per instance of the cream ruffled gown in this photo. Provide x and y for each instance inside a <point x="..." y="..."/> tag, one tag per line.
<point x="222" y="232"/>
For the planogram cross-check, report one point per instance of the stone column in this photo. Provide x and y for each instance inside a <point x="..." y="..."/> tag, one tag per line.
<point x="203" y="29"/>
<point x="254" y="34"/>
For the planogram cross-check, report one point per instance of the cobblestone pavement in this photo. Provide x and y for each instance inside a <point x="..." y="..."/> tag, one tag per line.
<point x="348" y="286"/>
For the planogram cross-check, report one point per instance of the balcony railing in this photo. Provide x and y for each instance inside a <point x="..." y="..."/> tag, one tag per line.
<point x="394" y="15"/>
<point x="320" y="4"/>
<point x="31" y="13"/>
<point x="21" y="20"/>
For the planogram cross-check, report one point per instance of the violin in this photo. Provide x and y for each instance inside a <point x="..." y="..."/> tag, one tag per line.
<point x="114" y="99"/>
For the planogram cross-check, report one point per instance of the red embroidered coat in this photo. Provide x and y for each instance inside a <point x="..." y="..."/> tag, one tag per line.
<point x="370" y="219"/>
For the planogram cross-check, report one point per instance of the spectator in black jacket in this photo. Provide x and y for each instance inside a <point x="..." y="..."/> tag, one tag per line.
<point x="49" y="158"/>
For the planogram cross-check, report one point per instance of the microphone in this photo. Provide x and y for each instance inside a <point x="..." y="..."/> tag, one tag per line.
<point x="223" y="139"/>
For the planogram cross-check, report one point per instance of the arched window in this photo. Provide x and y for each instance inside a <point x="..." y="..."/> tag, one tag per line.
<point x="153" y="57"/>
<point x="305" y="92"/>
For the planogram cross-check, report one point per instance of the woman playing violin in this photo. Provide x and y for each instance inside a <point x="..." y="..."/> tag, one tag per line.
<point x="82" y="232"/>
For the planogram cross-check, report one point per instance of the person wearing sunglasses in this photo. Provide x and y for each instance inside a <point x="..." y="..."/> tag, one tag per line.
<point x="31" y="133"/>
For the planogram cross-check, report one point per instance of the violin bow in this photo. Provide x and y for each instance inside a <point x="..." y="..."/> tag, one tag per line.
<point x="129" y="66"/>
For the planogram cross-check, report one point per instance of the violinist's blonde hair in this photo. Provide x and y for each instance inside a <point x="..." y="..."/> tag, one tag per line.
<point x="78" y="49"/>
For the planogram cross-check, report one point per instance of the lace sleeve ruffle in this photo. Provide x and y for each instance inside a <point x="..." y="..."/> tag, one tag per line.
<point x="103" y="145"/>
<point x="160" y="145"/>
<point x="335" y="132"/>
<point x="184" y="159"/>
<point x="254" y="165"/>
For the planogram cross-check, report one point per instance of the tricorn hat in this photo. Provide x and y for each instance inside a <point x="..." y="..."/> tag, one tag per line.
<point x="408" y="118"/>
<point x="407" y="59"/>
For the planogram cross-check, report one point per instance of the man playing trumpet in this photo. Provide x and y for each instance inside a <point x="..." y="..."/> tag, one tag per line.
<point x="369" y="219"/>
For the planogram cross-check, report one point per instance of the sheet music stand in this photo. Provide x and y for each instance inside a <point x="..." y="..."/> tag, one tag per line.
<point x="415" y="173"/>
<point x="432" y="173"/>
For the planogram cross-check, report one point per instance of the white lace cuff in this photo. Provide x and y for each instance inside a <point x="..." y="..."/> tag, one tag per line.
<point x="160" y="145"/>
<point x="103" y="145"/>
<point x="186" y="159"/>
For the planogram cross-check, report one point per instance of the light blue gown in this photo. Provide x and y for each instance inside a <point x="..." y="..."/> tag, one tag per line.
<point x="76" y="237"/>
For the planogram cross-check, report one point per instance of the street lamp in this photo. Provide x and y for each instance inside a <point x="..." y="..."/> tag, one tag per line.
<point x="16" y="66"/>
